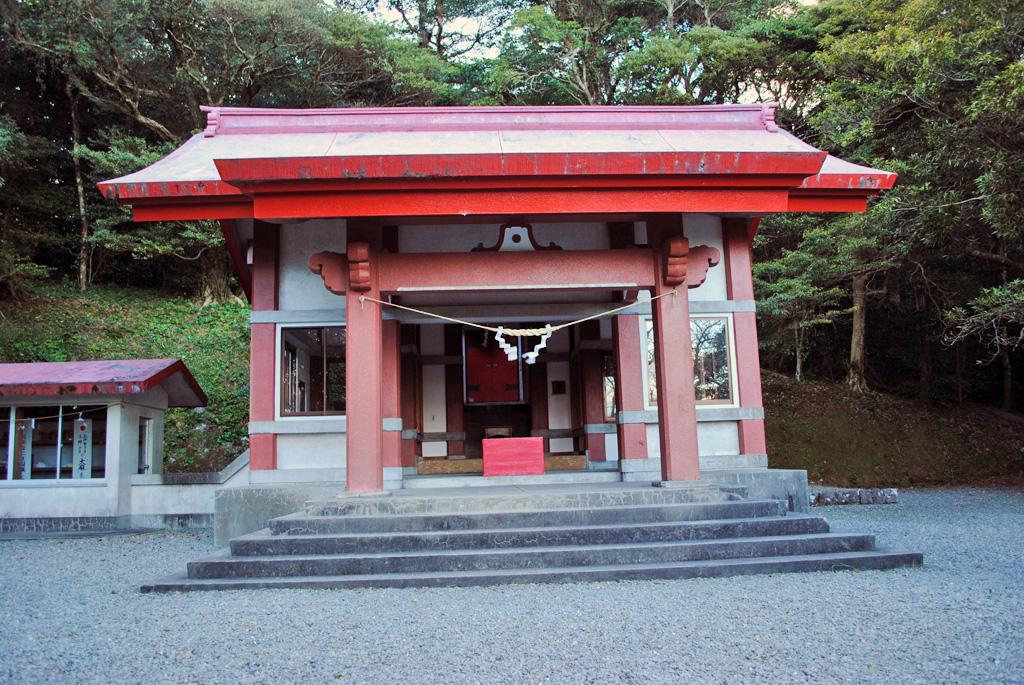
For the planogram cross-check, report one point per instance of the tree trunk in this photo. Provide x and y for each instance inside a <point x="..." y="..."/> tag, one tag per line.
<point x="925" y="370"/>
<point x="798" y="335"/>
<point x="1004" y="354"/>
<point x="855" y="376"/>
<point x="83" y="241"/>
<point x="216" y="276"/>
<point x="961" y="362"/>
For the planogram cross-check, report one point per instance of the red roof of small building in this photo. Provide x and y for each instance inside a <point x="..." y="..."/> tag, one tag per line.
<point x="108" y="377"/>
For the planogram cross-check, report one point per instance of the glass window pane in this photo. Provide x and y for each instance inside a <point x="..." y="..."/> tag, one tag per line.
<point x="145" y="443"/>
<point x="334" y="342"/>
<point x="652" y="378"/>
<point x="608" y="372"/>
<point x="5" y="440"/>
<point x="711" y="378"/>
<point x="83" y="441"/>
<point x="37" y="442"/>
<point x="312" y="371"/>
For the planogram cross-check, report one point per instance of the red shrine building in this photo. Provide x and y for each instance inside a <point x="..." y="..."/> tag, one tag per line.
<point x="411" y="272"/>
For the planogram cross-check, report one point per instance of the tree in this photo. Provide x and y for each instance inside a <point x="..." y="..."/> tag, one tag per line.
<point x="934" y="90"/>
<point x="452" y="29"/>
<point x="996" y="318"/>
<point x="122" y="70"/>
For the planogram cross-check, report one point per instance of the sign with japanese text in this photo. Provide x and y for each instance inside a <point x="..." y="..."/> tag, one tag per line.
<point x="27" y="427"/>
<point x="82" y="465"/>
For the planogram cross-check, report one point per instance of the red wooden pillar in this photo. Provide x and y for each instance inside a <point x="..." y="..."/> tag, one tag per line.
<point x="737" y="235"/>
<point x="677" y="406"/>
<point x="630" y="386"/>
<point x="390" y="395"/>
<point x="363" y="368"/>
<point x="592" y="382"/>
<point x="263" y="344"/>
<point x="453" y="396"/>
<point x="409" y="395"/>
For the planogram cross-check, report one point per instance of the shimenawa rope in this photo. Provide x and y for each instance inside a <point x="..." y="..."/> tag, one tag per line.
<point x="519" y="332"/>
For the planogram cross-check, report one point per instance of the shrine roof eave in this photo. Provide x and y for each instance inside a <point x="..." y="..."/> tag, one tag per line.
<point x="102" y="377"/>
<point x="839" y="175"/>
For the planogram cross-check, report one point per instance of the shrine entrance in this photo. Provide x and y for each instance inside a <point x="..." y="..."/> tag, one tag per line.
<point x="496" y="400"/>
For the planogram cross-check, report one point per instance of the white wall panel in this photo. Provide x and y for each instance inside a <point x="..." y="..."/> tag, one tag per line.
<point x="718" y="437"/>
<point x="435" y="407"/>
<point x="299" y="287"/>
<point x="321" y="451"/>
<point x="706" y="229"/>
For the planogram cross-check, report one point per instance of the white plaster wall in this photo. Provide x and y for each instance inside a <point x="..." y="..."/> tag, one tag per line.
<point x="435" y="409"/>
<point x="298" y="287"/>
<point x="559" y="406"/>
<point x="464" y="237"/>
<point x="718" y="437"/>
<point x="653" y="441"/>
<point x="173" y="499"/>
<point x="706" y="229"/>
<point x="611" y="446"/>
<point x="713" y="438"/>
<point x="311" y="451"/>
<point x="435" y="404"/>
<point x="46" y="500"/>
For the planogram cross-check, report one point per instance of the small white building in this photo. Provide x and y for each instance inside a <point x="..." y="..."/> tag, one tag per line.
<point x="81" y="444"/>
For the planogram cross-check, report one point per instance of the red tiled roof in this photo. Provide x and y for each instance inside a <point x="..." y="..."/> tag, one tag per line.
<point x="108" y="377"/>
<point x="242" y="146"/>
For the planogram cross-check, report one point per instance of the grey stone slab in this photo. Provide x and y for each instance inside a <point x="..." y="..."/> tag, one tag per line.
<point x="514" y="499"/>
<point x="840" y="561"/>
<point x="238" y="511"/>
<point x="787" y="485"/>
<point x="263" y="543"/>
<point x="527" y="557"/>
<point x="304" y="524"/>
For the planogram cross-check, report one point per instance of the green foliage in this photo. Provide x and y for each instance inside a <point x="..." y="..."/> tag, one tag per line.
<point x="995" y="317"/>
<point x="61" y="324"/>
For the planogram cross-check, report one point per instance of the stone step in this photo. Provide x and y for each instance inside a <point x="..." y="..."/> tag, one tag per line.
<point x="496" y="498"/>
<point x="478" y="481"/>
<point x="526" y="557"/>
<point x="304" y="524"/>
<point x="839" y="561"/>
<point x="262" y="543"/>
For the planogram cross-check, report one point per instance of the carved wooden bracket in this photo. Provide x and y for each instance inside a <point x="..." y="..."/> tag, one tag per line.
<point x="516" y="238"/>
<point x="684" y="264"/>
<point x="675" y="250"/>
<point x="701" y="259"/>
<point x="359" y="266"/>
<point x="330" y="266"/>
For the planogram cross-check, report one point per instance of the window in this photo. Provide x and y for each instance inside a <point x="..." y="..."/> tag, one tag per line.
<point x="652" y="377"/>
<point x="608" y="374"/>
<point x="54" y="442"/>
<point x="6" y="424"/>
<point x="313" y="371"/>
<point x="712" y="368"/>
<point x="145" y="444"/>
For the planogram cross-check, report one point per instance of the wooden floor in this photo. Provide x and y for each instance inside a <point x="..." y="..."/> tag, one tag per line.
<point x="552" y="462"/>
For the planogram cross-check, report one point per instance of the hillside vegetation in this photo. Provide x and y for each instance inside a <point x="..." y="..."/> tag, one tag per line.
<point x="840" y="437"/>
<point x="845" y="438"/>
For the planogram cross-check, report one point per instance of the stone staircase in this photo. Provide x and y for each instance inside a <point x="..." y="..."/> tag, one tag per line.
<point x="531" y="536"/>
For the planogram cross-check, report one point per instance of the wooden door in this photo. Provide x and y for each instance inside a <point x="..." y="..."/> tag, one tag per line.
<point x="490" y="376"/>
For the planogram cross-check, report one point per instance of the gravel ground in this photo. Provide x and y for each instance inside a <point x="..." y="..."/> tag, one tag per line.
<point x="71" y="613"/>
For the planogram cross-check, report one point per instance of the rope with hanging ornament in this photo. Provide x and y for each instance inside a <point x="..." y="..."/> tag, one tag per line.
<point x="512" y="351"/>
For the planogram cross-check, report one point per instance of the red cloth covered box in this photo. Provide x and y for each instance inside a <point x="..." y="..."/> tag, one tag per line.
<point x="513" y="456"/>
